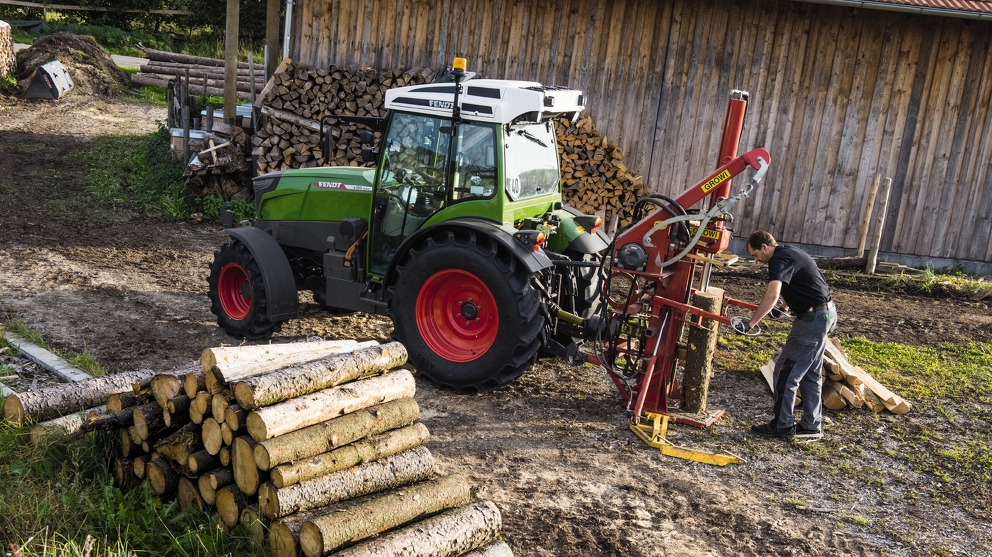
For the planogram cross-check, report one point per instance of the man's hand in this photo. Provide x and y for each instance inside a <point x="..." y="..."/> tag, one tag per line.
<point x="778" y="312"/>
<point x="741" y="325"/>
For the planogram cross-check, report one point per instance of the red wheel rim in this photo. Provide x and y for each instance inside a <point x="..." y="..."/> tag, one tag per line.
<point x="231" y="285"/>
<point x="457" y="315"/>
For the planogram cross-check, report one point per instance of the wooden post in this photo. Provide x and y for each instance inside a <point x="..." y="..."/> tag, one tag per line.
<point x="272" y="35"/>
<point x="876" y="240"/>
<point x="184" y="87"/>
<point x="231" y="59"/>
<point x="699" y="357"/>
<point x="867" y="218"/>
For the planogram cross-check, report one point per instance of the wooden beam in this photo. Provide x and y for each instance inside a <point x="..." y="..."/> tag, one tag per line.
<point x="92" y="8"/>
<point x="272" y="35"/>
<point x="231" y="60"/>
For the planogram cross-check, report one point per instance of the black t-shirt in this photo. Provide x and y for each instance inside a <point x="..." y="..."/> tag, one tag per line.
<point x="803" y="285"/>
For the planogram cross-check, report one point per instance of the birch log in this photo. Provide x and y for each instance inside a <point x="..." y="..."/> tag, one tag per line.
<point x="298" y="413"/>
<point x="495" y="549"/>
<point x="398" y="470"/>
<point x="321" y="438"/>
<point x="267" y="357"/>
<point x="306" y="378"/>
<point x="449" y="534"/>
<point x="65" y="398"/>
<point x="284" y="535"/>
<point x="358" y="519"/>
<point x="359" y="452"/>
<point x="70" y="424"/>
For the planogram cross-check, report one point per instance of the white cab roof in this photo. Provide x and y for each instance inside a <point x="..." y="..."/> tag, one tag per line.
<point x="488" y="100"/>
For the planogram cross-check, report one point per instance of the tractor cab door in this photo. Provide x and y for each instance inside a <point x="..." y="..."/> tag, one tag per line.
<point x="412" y="184"/>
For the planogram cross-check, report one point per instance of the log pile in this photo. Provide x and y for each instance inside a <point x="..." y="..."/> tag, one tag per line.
<point x="7" y="61"/>
<point x="207" y="75"/>
<point x="595" y="179"/>
<point x="849" y="386"/>
<point x="315" y="446"/>
<point x="220" y="166"/>
<point x="299" y="100"/>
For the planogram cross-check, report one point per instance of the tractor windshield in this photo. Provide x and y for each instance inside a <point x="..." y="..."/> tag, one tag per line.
<point x="531" y="161"/>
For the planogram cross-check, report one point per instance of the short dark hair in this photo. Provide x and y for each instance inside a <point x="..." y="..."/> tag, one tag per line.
<point x="759" y="237"/>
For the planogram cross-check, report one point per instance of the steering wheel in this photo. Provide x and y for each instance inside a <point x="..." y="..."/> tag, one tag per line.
<point x="431" y="174"/>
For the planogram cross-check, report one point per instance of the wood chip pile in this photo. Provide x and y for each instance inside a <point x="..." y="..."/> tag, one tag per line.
<point x="594" y="176"/>
<point x="315" y="446"/>
<point x="299" y="99"/>
<point x="848" y="386"/>
<point x="7" y="61"/>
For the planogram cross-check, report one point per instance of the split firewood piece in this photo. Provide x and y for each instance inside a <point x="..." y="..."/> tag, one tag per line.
<point x="395" y="471"/>
<point x="449" y="534"/>
<point x="147" y="419"/>
<point x="271" y="421"/>
<point x="210" y="482"/>
<point x="893" y="402"/>
<point x="832" y="398"/>
<point x="850" y="396"/>
<point x="361" y="518"/>
<point x="221" y="365"/>
<point x="162" y="478"/>
<point x="188" y="495"/>
<point x="306" y="378"/>
<point x="212" y="438"/>
<point x="246" y="472"/>
<point x="68" y="425"/>
<point x="254" y="522"/>
<point x="178" y="446"/>
<point x="495" y="549"/>
<point x="321" y="438"/>
<point x="193" y="383"/>
<point x="229" y="502"/>
<point x="140" y="464"/>
<point x="235" y="416"/>
<point x="359" y="452"/>
<point x="65" y="398"/>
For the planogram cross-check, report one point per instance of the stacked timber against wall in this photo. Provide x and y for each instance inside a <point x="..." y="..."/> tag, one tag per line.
<point x="315" y="446"/>
<point x="206" y="74"/>
<point x="837" y="95"/>
<point x="7" y="61"/>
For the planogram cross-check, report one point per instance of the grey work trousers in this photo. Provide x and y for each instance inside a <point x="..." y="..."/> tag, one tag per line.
<point x="800" y="368"/>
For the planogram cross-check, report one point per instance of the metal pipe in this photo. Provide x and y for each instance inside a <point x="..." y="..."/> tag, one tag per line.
<point x="877" y="5"/>
<point x="287" y="28"/>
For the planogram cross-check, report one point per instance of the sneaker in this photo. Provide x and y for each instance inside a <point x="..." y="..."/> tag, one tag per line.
<point x="768" y="430"/>
<point x="803" y="433"/>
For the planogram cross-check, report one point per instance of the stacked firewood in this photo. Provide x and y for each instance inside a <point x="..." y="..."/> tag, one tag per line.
<point x="846" y="385"/>
<point x="220" y="166"/>
<point x="300" y="102"/>
<point x="7" y="61"/>
<point x="207" y="75"/>
<point x="594" y="176"/>
<point x="314" y="445"/>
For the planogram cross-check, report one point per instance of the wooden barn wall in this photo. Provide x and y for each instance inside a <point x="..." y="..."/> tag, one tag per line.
<point x="836" y="95"/>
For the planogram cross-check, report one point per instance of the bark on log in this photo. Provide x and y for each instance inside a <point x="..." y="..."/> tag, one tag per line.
<point x="147" y="419"/>
<point x="271" y="421"/>
<point x="212" y="439"/>
<point x="395" y="471"/>
<point x="359" y="452"/>
<point x="210" y="482"/>
<point x="179" y="404"/>
<point x="171" y="72"/>
<point x="701" y="348"/>
<point x="120" y="420"/>
<point x="153" y="54"/>
<point x="358" y="519"/>
<point x="449" y="534"/>
<point x="310" y="377"/>
<point x="246" y="473"/>
<point x="8" y="63"/>
<point x="188" y="495"/>
<point x="120" y="401"/>
<point x="162" y="67"/>
<point x="164" y="387"/>
<point x="321" y="438"/>
<point x="127" y="446"/>
<point x="65" y="398"/>
<point x="229" y="502"/>
<point x="495" y="549"/>
<point x="228" y="364"/>
<point x="68" y="425"/>
<point x="123" y="471"/>
<point x="284" y="535"/>
<point x="162" y="478"/>
<point x="178" y="446"/>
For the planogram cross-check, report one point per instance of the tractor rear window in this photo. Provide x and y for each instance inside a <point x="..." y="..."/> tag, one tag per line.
<point x="531" y="161"/>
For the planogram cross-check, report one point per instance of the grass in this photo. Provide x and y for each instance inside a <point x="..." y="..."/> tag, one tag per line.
<point x="81" y="360"/>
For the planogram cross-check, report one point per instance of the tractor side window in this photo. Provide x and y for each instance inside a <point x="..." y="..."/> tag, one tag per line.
<point x="475" y="172"/>
<point x="531" y="167"/>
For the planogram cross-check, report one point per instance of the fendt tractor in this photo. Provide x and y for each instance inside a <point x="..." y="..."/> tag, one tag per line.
<point x="459" y="234"/>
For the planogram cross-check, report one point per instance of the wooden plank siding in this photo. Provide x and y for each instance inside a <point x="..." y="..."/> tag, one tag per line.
<point x="836" y="96"/>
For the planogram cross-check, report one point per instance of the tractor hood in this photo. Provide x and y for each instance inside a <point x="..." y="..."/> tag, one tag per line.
<point x="325" y="194"/>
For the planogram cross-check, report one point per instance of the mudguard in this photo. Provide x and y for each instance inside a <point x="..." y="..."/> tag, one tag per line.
<point x="277" y="276"/>
<point x="533" y="260"/>
<point x="571" y="237"/>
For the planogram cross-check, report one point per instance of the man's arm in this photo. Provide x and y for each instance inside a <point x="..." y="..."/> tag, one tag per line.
<point x="768" y="301"/>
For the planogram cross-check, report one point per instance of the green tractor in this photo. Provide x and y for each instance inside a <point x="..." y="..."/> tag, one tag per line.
<point x="459" y="234"/>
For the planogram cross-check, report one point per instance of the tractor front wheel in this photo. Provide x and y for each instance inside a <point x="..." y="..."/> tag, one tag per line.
<point x="237" y="293"/>
<point x="466" y="311"/>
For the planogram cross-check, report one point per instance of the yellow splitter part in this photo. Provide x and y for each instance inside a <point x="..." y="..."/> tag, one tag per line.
<point x="653" y="433"/>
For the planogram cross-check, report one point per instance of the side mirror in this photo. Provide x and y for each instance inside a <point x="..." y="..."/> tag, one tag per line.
<point x="365" y="137"/>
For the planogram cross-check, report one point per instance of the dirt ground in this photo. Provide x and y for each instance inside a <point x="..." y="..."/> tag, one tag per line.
<point x="552" y="450"/>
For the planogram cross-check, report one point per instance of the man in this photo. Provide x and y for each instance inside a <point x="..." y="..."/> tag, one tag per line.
<point x="794" y="275"/>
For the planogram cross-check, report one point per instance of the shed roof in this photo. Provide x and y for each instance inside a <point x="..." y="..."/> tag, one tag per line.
<point x="981" y="6"/>
<point x="971" y="9"/>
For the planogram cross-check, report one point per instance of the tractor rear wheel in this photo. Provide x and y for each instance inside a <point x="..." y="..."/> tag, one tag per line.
<point x="466" y="311"/>
<point x="237" y="293"/>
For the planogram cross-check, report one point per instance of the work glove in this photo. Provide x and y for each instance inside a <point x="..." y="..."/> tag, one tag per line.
<point x="778" y="312"/>
<point x="742" y="327"/>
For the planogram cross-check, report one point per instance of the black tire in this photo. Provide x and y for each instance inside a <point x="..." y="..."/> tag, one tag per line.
<point x="456" y="271"/>
<point x="237" y="293"/>
<point x="588" y="300"/>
